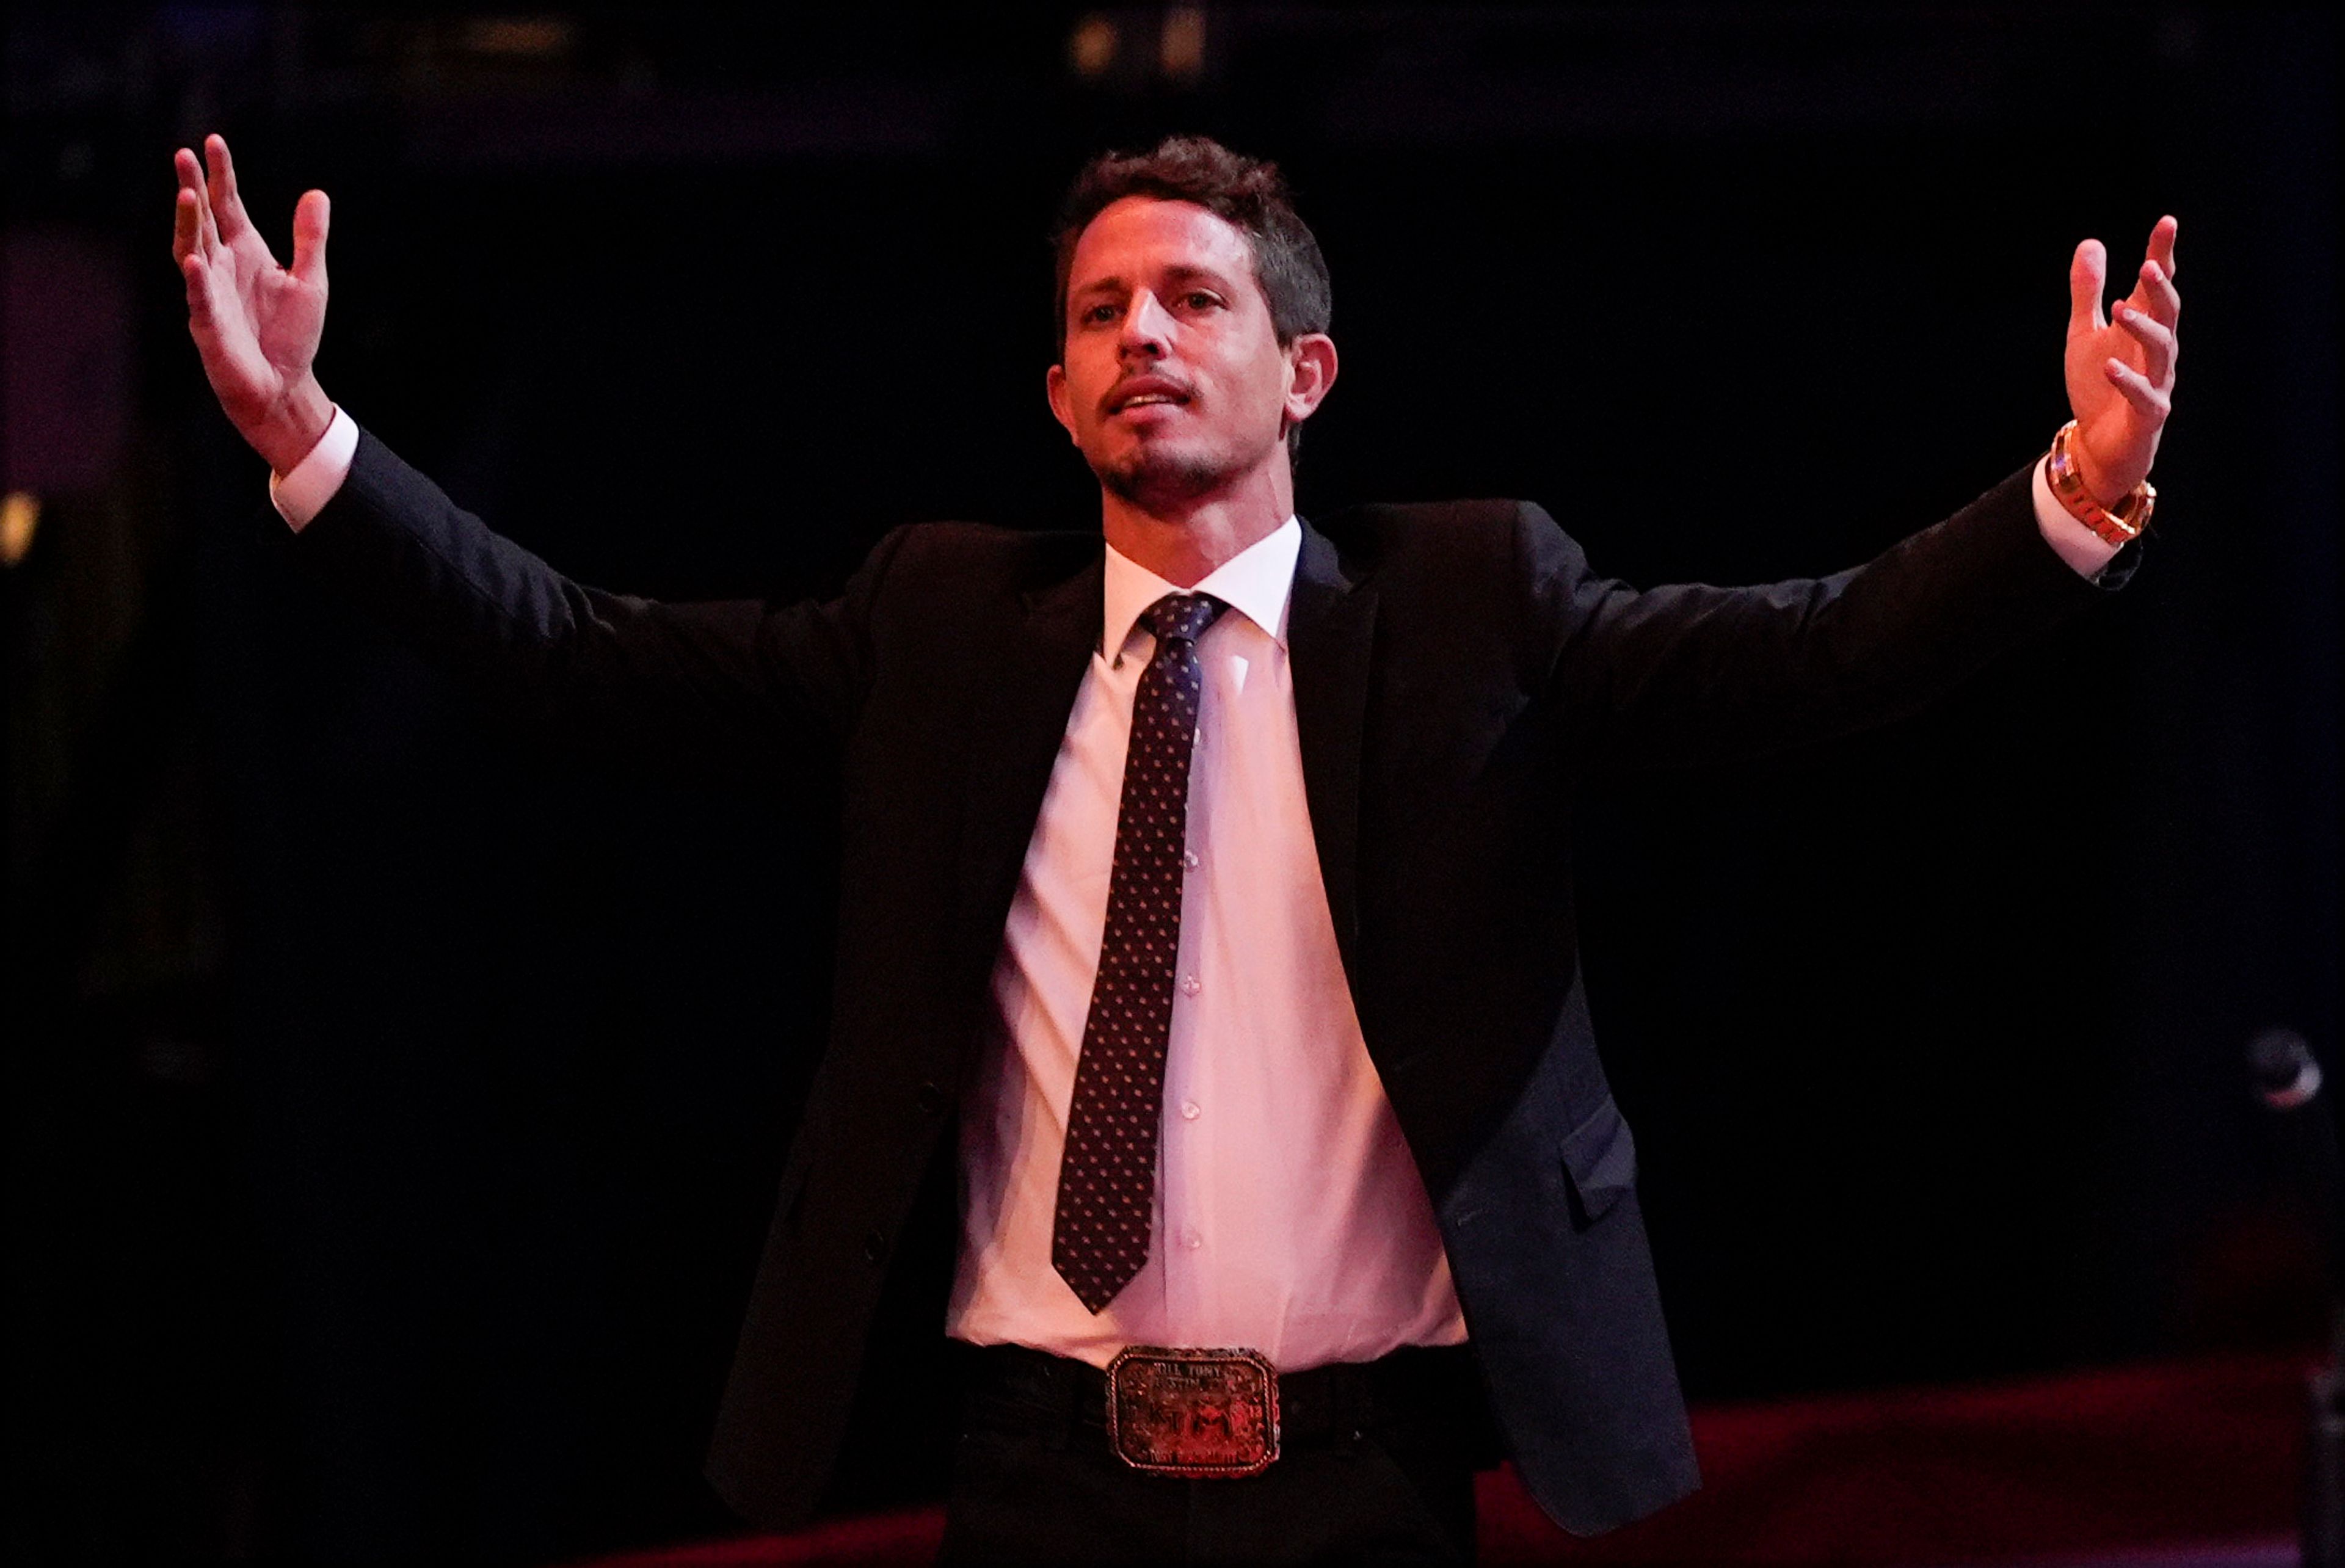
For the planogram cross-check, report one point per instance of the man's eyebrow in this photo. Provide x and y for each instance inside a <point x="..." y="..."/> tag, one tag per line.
<point x="1182" y="272"/>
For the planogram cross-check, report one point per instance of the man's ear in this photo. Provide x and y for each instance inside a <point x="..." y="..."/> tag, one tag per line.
<point x="1311" y="359"/>
<point x="1054" y="386"/>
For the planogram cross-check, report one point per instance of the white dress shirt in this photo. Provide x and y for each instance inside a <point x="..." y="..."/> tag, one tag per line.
<point x="1289" y="1217"/>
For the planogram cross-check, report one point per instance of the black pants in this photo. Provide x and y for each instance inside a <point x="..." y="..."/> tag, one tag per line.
<point x="1381" y="1470"/>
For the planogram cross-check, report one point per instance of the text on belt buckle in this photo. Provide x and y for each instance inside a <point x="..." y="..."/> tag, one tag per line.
<point x="1194" y="1413"/>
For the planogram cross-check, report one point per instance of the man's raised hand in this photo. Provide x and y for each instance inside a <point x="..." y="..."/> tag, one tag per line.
<point x="256" y="324"/>
<point x="2120" y="367"/>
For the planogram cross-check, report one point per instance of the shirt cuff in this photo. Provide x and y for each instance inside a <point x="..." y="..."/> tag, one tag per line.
<point x="2086" y="552"/>
<point x="302" y="493"/>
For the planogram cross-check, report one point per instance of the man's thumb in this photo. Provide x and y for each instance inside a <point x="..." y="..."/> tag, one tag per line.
<point x="2086" y="276"/>
<point x="311" y="216"/>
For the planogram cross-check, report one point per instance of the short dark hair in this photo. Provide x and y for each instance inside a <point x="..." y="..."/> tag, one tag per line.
<point x="1248" y="194"/>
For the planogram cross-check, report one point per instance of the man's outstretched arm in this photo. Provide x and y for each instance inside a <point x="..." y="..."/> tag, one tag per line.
<point x="720" y="684"/>
<point x="1692" y="674"/>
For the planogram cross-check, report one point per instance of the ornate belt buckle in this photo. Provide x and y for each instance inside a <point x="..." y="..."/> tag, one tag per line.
<point x="1194" y="1413"/>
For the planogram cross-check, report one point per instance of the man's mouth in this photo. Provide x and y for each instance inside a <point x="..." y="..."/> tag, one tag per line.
<point x="1145" y="392"/>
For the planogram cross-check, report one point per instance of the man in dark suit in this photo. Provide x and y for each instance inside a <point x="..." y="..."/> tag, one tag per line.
<point x="1210" y="1060"/>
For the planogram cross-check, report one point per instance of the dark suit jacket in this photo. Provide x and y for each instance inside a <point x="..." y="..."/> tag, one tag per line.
<point x="1459" y="670"/>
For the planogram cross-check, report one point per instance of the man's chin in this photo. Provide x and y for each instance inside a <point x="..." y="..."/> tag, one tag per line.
<point x="1157" y="477"/>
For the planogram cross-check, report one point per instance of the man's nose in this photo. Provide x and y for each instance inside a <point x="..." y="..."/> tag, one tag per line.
<point x="1147" y="327"/>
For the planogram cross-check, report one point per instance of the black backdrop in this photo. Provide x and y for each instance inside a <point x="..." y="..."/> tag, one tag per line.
<point x="394" y="1111"/>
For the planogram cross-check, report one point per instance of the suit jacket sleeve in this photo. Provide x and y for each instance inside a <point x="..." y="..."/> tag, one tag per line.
<point x="727" y="687"/>
<point x="1689" y="673"/>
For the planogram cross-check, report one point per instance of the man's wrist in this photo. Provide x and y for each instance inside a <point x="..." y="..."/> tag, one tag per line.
<point x="292" y="430"/>
<point x="2117" y="522"/>
<point x="2103" y="490"/>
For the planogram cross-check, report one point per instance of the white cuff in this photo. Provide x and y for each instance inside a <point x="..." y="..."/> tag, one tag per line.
<point x="2084" y="552"/>
<point x="302" y="493"/>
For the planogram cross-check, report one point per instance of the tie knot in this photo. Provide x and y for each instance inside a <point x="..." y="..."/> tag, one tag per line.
<point x="1181" y="617"/>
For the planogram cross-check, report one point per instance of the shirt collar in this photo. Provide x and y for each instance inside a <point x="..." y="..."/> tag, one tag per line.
<point x="1256" y="583"/>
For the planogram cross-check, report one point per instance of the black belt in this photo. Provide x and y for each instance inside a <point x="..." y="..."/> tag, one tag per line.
<point x="1417" y="1393"/>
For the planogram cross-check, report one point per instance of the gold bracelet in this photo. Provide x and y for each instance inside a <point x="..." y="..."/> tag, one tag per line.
<point x="2118" y="524"/>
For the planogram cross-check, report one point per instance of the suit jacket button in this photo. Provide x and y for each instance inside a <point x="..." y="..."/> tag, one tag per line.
<point x="932" y="1099"/>
<point x="875" y="1247"/>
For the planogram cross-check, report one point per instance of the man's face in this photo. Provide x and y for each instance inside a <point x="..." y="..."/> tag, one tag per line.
<point x="1172" y="382"/>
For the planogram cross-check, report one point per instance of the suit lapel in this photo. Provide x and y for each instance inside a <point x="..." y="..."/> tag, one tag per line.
<point x="1019" y="718"/>
<point x="1330" y="633"/>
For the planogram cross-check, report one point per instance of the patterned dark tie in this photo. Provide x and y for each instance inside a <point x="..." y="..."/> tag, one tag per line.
<point x="1099" y="1238"/>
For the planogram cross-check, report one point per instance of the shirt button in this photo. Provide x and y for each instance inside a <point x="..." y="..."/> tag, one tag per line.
<point x="1189" y="1111"/>
<point x="1191" y="859"/>
<point x="1190" y="985"/>
<point x="1190" y="1239"/>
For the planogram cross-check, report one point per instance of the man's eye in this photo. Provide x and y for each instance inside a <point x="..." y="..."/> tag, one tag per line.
<point x="1099" y="313"/>
<point x="1201" y="300"/>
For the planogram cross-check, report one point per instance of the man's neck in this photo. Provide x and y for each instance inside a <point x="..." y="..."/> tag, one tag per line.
<point x="1185" y="543"/>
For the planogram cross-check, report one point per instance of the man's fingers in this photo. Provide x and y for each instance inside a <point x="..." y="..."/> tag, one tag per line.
<point x="2155" y="294"/>
<point x="2087" y="276"/>
<point x="2161" y="243"/>
<point x="198" y="276"/>
<point x="2157" y="342"/>
<point x="202" y="278"/>
<point x="2131" y="385"/>
<point x="311" y="216"/>
<point x="206" y="238"/>
<point x="186" y="226"/>
<point x="227" y="207"/>
<point x="189" y="170"/>
<point x="188" y="216"/>
<point x="220" y="172"/>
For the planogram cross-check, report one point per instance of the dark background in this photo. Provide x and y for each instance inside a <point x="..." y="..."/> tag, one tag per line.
<point x="393" y="1112"/>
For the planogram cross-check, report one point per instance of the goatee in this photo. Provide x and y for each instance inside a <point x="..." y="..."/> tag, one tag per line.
<point x="1154" y="479"/>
